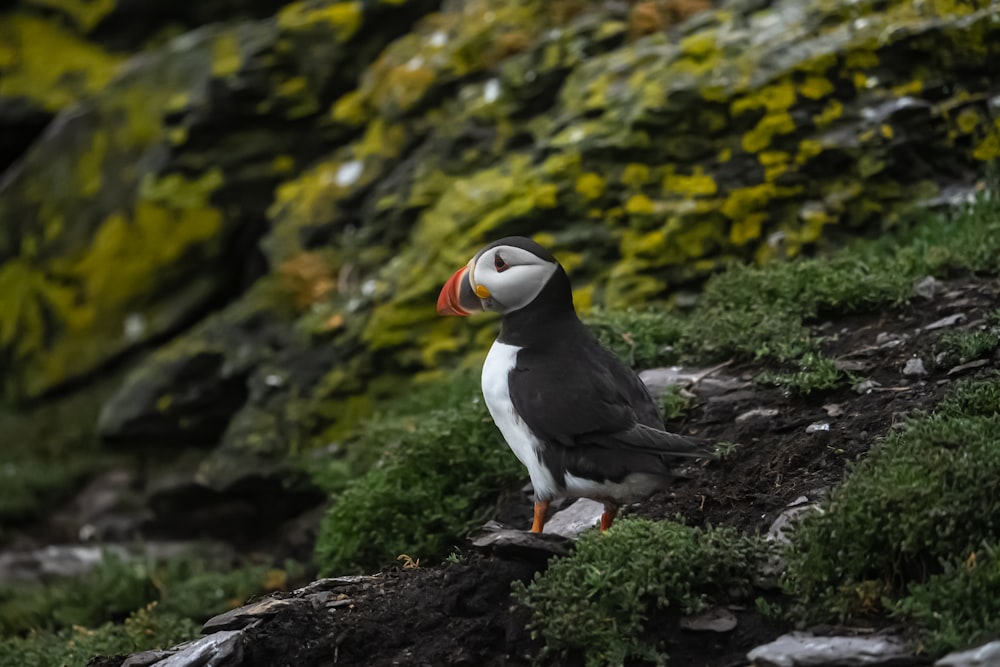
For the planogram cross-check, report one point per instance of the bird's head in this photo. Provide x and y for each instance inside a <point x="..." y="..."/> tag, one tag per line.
<point x="503" y="277"/>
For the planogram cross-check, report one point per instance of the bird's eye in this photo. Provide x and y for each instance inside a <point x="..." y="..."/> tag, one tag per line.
<point x="499" y="263"/>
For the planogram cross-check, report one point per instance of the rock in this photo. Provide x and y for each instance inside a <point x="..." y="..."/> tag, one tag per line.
<point x="817" y="427"/>
<point x="246" y="615"/>
<point x="221" y="649"/>
<point x="573" y="520"/>
<point x="154" y="196"/>
<point x="757" y="413"/>
<point x="833" y="410"/>
<point x="928" y="287"/>
<point x="949" y="321"/>
<point x="865" y="386"/>
<point x="716" y="619"/>
<point x="972" y="365"/>
<point x="914" y="368"/>
<point x="658" y="380"/>
<point x="522" y="545"/>
<point x="982" y="656"/>
<point x="800" y="649"/>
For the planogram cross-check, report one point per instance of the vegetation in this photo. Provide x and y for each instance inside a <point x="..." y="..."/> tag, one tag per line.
<point x="914" y="523"/>
<point x="763" y="312"/>
<point x="595" y="601"/>
<point x="65" y="621"/>
<point x="440" y="473"/>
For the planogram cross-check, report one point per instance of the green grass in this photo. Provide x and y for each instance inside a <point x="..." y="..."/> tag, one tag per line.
<point x="122" y="606"/>
<point x="908" y="517"/>
<point x="439" y="476"/>
<point x="595" y="601"/>
<point x="145" y="629"/>
<point x="764" y="313"/>
<point x="965" y="346"/>
<point x="959" y="607"/>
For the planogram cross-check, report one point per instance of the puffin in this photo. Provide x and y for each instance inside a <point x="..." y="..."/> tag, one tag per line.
<point x="580" y="420"/>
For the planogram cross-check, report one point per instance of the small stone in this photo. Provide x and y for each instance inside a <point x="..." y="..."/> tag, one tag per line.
<point x="716" y="619"/>
<point x="950" y="321"/>
<point x="927" y="287"/>
<point x="833" y="409"/>
<point x="885" y="339"/>
<point x="865" y="386"/>
<point x="979" y="363"/>
<point x="982" y="656"/>
<point x="800" y="649"/>
<point x="851" y="366"/>
<point x="239" y="618"/>
<point x="764" y="413"/>
<point x="816" y="427"/>
<point x="522" y="545"/>
<point x="575" y="519"/>
<point x="914" y="368"/>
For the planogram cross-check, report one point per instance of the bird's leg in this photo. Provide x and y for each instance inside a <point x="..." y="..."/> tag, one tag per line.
<point x="541" y="509"/>
<point x="610" y="512"/>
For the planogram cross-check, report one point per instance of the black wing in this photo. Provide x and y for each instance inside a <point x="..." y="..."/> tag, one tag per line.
<point x="588" y="397"/>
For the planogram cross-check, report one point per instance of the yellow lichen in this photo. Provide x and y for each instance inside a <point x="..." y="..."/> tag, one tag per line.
<point x="635" y="174"/>
<point x="86" y="14"/>
<point x="590" y="185"/>
<point x="776" y="97"/>
<point x="746" y="229"/>
<point x="775" y="163"/>
<point x="350" y="109"/>
<point x="90" y="165"/>
<point x="914" y="87"/>
<point x="816" y="87"/>
<point x="381" y="139"/>
<point x="808" y="149"/>
<point x="770" y="125"/>
<point x="48" y="65"/>
<point x="226" y="57"/>
<point x="831" y="112"/>
<point x="967" y="120"/>
<point x="886" y="131"/>
<point x="545" y="195"/>
<point x="989" y="147"/>
<point x="344" y="17"/>
<point x="696" y="184"/>
<point x="640" y="204"/>
<point x="858" y="59"/>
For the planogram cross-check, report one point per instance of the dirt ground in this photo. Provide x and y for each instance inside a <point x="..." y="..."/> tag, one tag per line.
<point x="460" y="613"/>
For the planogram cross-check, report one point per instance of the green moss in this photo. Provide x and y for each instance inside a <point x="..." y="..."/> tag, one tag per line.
<point x="923" y="496"/>
<point x="144" y="629"/>
<point x="958" y="608"/>
<point x="965" y="346"/>
<point x="439" y="475"/>
<point x="595" y="601"/>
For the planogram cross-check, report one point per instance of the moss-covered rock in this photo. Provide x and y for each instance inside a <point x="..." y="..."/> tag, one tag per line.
<point x="138" y="208"/>
<point x="645" y="163"/>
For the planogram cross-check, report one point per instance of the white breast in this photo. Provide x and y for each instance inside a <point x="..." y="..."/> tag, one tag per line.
<point x="496" y="390"/>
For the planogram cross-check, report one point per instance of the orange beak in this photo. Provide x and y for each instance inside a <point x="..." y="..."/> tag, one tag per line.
<point x="457" y="296"/>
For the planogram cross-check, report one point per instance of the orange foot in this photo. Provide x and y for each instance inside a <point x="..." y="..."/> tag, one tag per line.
<point x="610" y="512"/>
<point x="541" y="509"/>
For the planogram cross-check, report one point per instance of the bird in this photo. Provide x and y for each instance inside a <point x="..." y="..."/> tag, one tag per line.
<point x="578" y="418"/>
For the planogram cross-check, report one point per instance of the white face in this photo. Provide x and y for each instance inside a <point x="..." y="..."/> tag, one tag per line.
<point x="507" y="278"/>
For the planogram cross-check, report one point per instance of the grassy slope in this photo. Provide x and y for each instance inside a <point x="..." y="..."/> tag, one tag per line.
<point x="436" y="444"/>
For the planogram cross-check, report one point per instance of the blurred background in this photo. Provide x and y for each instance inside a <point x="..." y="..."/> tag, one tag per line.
<point x="224" y="224"/>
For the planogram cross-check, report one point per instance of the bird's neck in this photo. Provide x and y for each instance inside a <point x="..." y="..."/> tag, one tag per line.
<point x="545" y="320"/>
